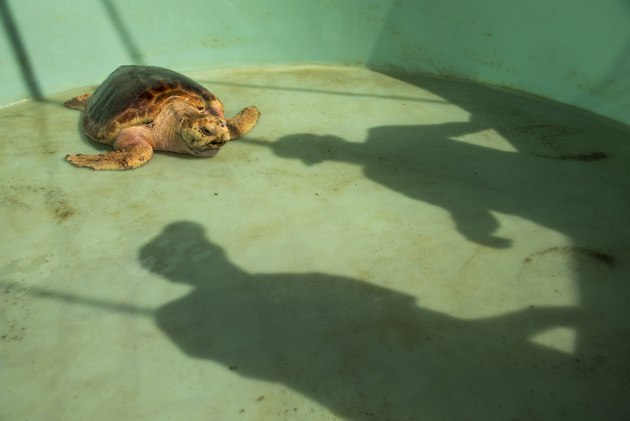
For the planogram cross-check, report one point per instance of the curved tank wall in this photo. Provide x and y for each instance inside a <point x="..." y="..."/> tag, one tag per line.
<point x="575" y="53"/>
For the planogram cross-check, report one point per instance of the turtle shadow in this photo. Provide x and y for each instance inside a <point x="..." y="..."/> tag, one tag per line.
<point x="98" y="146"/>
<point x="364" y="351"/>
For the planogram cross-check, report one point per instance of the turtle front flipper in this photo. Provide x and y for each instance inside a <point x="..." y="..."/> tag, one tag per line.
<point x="243" y="122"/>
<point x="132" y="151"/>
<point x="78" y="102"/>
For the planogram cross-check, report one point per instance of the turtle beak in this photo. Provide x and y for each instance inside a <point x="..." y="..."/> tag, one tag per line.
<point x="226" y="136"/>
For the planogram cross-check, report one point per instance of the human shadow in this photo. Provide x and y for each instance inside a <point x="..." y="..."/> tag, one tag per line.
<point x="470" y="181"/>
<point x="552" y="165"/>
<point x="557" y="169"/>
<point x="368" y="352"/>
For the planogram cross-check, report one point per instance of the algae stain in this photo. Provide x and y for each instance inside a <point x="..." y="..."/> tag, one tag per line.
<point x="555" y="140"/>
<point x="51" y="199"/>
<point x="593" y="255"/>
<point x="59" y="206"/>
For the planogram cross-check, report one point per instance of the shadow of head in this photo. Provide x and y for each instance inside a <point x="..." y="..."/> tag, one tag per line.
<point x="181" y="252"/>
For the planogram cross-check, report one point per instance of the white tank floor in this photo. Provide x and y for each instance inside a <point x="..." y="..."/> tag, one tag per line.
<point x="378" y="248"/>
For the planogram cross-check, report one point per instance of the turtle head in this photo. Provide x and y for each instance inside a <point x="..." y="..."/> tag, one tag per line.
<point x="204" y="135"/>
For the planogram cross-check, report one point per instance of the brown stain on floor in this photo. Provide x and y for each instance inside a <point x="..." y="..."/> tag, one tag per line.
<point x="54" y="200"/>
<point x="551" y="137"/>
<point x="576" y="252"/>
<point x="584" y="157"/>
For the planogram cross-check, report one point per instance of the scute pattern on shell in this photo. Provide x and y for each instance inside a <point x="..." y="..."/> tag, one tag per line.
<point x="134" y="95"/>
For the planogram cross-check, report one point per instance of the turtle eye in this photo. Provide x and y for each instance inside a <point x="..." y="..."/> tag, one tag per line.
<point x="206" y="131"/>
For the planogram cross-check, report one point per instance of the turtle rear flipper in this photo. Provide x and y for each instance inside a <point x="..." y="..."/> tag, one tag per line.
<point x="78" y="102"/>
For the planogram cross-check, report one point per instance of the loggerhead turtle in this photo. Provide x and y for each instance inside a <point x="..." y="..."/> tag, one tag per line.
<point x="139" y="109"/>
